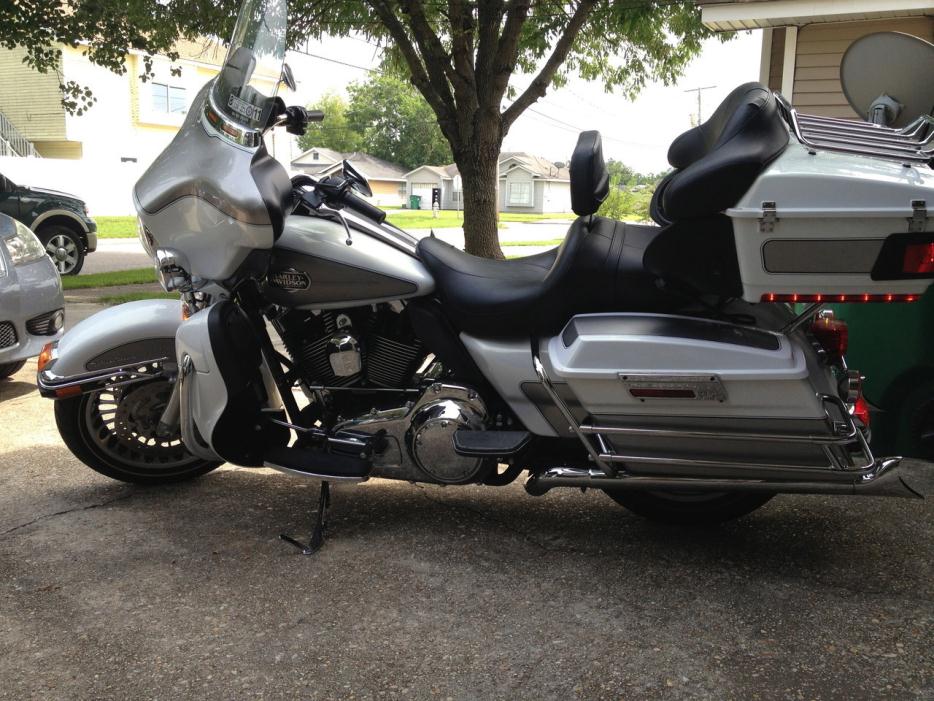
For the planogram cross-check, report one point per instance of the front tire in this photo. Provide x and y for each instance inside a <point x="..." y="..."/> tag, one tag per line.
<point x="113" y="433"/>
<point x="65" y="248"/>
<point x="690" y="508"/>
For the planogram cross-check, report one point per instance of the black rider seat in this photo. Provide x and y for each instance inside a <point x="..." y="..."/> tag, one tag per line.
<point x="598" y="267"/>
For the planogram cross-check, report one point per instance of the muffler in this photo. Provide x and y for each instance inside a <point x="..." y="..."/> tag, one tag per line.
<point x="886" y="477"/>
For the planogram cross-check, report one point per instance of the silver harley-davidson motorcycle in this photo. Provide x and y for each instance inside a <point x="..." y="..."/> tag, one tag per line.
<point x="685" y="368"/>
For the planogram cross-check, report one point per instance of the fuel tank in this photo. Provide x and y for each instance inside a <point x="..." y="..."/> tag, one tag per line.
<point x="313" y="267"/>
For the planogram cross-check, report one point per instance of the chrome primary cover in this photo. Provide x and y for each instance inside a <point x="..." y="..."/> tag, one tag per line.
<point x="420" y="436"/>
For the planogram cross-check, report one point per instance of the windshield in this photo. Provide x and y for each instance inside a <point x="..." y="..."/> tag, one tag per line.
<point x="246" y="87"/>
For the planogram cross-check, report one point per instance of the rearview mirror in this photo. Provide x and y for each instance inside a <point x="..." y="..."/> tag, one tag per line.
<point x="357" y="181"/>
<point x="288" y="77"/>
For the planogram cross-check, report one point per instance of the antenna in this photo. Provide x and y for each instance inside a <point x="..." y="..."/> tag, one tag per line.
<point x="698" y="91"/>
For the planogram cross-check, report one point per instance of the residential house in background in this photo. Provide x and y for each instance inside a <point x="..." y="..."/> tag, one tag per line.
<point x="526" y="184"/>
<point x="100" y="154"/>
<point x="387" y="180"/>
<point x="803" y="41"/>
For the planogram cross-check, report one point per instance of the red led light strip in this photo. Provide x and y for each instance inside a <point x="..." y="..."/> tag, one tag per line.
<point x="852" y="298"/>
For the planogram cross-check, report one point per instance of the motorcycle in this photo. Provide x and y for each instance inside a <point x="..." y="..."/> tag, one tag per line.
<point x="685" y="368"/>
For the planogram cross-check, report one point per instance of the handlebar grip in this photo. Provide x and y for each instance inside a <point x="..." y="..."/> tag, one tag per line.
<point x="363" y="207"/>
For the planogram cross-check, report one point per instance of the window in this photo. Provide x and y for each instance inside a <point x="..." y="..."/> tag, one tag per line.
<point x="520" y="194"/>
<point x="456" y="195"/>
<point x="314" y="155"/>
<point x="168" y="99"/>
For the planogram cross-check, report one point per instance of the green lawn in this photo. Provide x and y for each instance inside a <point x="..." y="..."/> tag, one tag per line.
<point x="123" y="227"/>
<point x="425" y="219"/>
<point x="113" y="300"/>
<point x="116" y="227"/>
<point x="137" y="276"/>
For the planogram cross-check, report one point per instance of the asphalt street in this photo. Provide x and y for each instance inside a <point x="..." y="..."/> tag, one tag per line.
<point x="109" y="591"/>
<point x="126" y="253"/>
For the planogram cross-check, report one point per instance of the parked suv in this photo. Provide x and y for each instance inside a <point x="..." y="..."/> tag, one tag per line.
<point x="60" y="221"/>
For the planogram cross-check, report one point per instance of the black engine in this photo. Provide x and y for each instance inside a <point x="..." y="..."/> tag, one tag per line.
<point x="371" y="346"/>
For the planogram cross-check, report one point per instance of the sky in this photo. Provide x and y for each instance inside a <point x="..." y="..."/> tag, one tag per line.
<point x="635" y="132"/>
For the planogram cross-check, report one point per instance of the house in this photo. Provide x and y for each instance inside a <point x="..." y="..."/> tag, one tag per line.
<point x="387" y="180"/>
<point x="526" y="184"/>
<point x="803" y="41"/>
<point x="100" y="154"/>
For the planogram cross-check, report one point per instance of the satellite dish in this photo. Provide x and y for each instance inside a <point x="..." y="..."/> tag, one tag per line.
<point x="888" y="77"/>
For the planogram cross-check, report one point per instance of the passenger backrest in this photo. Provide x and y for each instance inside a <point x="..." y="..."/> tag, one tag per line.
<point x="717" y="161"/>
<point x="590" y="181"/>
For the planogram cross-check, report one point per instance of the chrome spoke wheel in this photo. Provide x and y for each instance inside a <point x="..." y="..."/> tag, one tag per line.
<point x="121" y="422"/>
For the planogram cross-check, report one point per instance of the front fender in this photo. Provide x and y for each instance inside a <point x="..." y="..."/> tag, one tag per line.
<point x="114" y="340"/>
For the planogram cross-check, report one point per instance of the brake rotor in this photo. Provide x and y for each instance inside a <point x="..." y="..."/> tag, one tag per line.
<point x="138" y="413"/>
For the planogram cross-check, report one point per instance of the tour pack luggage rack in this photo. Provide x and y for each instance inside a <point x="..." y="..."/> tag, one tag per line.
<point x="911" y="144"/>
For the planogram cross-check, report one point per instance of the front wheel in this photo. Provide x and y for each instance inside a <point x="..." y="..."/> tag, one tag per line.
<point x="114" y="433"/>
<point x="690" y="508"/>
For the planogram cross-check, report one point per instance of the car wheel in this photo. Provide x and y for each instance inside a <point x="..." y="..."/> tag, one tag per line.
<point x="65" y="248"/>
<point x="684" y="508"/>
<point x="7" y="369"/>
<point x="114" y="433"/>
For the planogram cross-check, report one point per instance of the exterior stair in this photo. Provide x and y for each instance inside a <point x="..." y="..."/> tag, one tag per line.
<point x="13" y="143"/>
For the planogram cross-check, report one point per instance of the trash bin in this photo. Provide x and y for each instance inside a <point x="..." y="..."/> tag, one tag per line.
<point x="415" y="201"/>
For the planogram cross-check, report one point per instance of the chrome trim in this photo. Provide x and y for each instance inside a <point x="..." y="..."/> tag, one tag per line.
<point x="48" y="382"/>
<point x="907" y="145"/>
<point x="805" y="315"/>
<point x="595" y="455"/>
<point x="882" y="479"/>
<point x="226" y="128"/>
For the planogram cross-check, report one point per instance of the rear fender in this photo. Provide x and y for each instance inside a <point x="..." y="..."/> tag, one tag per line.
<point x="110" y="343"/>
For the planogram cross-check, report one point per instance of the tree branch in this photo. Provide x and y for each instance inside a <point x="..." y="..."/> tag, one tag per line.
<point x="461" y="20"/>
<point x="489" y="17"/>
<point x="507" y="49"/>
<point x="539" y="85"/>
<point x="442" y="104"/>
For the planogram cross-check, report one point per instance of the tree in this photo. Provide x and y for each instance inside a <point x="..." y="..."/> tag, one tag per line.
<point x="466" y="57"/>
<point x="462" y="55"/>
<point x="335" y="131"/>
<point x="396" y="123"/>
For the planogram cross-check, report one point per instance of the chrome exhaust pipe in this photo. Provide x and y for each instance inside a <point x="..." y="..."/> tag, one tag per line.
<point x="884" y="478"/>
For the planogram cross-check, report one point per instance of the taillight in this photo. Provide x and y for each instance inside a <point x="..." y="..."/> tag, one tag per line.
<point x="918" y="259"/>
<point x="833" y="336"/>
<point x="861" y="410"/>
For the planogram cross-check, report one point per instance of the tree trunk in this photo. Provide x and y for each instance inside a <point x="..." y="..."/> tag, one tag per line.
<point x="479" y="175"/>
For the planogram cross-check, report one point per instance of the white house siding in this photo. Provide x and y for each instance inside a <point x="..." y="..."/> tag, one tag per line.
<point x="420" y="182"/>
<point x="519" y="177"/>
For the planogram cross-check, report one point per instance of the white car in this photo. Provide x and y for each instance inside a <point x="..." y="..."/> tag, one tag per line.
<point x="32" y="306"/>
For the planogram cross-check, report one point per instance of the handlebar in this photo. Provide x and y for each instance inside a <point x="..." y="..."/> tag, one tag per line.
<point x="342" y="196"/>
<point x="361" y="206"/>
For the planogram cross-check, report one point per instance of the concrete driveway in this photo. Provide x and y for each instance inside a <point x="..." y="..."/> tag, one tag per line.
<point x="109" y="591"/>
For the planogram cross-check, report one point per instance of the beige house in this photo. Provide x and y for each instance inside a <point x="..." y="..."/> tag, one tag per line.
<point x="526" y="184"/>
<point x="387" y="180"/>
<point x="803" y="41"/>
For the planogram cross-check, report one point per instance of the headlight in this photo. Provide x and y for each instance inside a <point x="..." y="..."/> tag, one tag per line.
<point x="23" y="246"/>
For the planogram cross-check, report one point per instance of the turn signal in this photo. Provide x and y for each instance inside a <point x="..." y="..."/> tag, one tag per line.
<point x="45" y="357"/>
<point x="833" y="336"/>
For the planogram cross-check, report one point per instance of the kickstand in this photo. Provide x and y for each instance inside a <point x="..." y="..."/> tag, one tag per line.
<point x="320" y="525"/>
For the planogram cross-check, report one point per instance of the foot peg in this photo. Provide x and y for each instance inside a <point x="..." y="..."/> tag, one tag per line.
<point x="320" y="525"/>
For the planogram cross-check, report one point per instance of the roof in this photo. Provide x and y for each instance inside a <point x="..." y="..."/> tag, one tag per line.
<point x="539" y="167"/>
<point x="729" y="15"/>
<point x="371" y="167"/>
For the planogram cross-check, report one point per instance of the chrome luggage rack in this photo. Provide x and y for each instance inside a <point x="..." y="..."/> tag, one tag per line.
<point x="911" y="144"/>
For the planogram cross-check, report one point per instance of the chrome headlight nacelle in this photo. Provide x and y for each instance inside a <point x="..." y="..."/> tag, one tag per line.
<point x="172" y="270"/>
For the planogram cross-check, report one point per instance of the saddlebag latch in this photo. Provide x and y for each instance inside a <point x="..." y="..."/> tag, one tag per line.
<point x="768" y="218"/>
<point x="917" y="223"/>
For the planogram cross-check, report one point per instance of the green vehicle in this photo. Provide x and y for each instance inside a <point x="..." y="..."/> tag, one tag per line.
<point x="60" y="221"/>
<point x="893" y="346"/>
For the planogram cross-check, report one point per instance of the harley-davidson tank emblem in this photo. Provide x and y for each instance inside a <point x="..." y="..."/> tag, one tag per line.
<point x="289" y="279"/>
